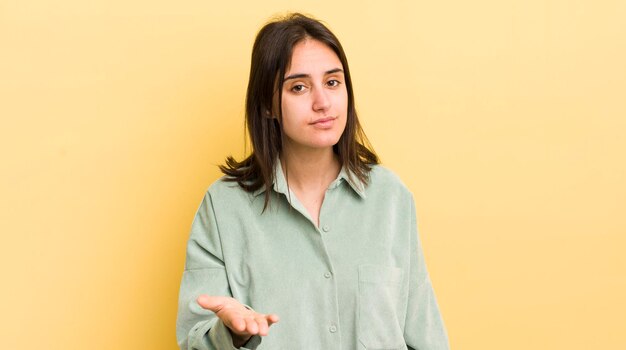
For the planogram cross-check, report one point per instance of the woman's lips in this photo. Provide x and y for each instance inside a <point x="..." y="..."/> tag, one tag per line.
<point x="324" y="123"/>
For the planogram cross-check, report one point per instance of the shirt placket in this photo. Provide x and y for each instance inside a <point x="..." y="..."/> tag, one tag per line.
<point x="332" y="338"/>
<point x="324" y="230"/>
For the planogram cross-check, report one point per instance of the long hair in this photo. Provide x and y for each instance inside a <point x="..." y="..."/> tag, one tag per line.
<point x="271" y="56"/>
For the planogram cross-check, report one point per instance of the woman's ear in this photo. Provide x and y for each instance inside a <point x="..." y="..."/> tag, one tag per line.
<point x="270" y="115"/>
<point x="275" y="112"/>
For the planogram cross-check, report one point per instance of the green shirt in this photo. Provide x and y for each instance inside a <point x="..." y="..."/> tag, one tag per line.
<point x="358" y="281"/>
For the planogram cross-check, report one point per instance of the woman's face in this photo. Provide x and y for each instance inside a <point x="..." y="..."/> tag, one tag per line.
<point x="315" y="100"/>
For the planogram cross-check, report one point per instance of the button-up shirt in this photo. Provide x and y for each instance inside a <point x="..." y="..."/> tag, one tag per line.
<point x="356" y="281"/>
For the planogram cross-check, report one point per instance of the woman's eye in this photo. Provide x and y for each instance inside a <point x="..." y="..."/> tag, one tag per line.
<point x="333" y="82"/>
<point x="297" y="88"/>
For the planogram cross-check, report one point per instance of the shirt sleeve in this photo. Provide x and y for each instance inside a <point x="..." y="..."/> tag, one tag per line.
<point x="197" y="328"/>
<point x="424" y="327"/>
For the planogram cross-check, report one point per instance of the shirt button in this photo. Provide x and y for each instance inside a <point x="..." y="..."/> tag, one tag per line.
<point x="332" y="329"/>
<point x="327" y="275"/>
<point x="326" y="228"/>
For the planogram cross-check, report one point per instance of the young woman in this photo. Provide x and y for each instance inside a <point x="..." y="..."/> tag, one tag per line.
<point x="308" y="228"/>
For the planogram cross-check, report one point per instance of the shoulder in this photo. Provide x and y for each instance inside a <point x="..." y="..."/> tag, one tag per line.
<point x="382" y="176"/>
<point x="384" y="181"/>
<point x="223" y="189"/>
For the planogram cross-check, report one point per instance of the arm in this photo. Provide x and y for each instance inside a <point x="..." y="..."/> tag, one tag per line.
<point x="424" y="328"/>
<point x="199" y="325"/>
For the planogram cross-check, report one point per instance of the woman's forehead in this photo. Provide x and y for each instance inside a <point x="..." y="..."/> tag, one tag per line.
<point x="312" y="56"/>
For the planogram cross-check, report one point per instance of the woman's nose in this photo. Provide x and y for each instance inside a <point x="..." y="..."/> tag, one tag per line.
<point x="321" y="100"/>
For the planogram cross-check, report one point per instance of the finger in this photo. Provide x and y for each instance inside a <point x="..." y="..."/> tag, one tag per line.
<point x="261" y="322"/>
<point x="251" y="326"/>
<point x="214" y="304"/>
<point x="272" y="318"/>
<point x="237" y="325"/>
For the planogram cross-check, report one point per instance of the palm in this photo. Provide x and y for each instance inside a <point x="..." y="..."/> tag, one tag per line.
<point x="242" y="322"/>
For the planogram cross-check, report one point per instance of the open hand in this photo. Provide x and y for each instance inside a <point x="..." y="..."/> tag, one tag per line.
<point x="242" y="322"/>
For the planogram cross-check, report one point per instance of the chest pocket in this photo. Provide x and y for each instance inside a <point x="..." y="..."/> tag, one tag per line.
<point x="379" y="293"/>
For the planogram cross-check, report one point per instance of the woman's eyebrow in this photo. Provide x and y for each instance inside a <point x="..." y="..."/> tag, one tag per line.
<point x="302" y="75"/>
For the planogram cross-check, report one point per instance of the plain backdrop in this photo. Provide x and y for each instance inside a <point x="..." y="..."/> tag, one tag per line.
<point x="506" y="119"/>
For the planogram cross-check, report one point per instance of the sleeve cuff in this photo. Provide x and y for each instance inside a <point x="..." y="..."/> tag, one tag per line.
<point x="222" y="339"/>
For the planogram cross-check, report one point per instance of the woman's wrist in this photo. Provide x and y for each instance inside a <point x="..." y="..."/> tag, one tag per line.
<point x="239" y="340"/>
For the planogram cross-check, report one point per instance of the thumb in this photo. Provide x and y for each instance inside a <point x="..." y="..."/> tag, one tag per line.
<point x="208" y="302"/>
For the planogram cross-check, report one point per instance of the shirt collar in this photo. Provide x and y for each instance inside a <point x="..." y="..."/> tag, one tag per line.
<point x="280" y="183"/>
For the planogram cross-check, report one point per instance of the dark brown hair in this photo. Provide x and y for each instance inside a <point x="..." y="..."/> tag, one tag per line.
<point x="271" y="56"/>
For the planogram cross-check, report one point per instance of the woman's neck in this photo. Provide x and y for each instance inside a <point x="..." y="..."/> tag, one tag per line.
<point x="311" y="169"/>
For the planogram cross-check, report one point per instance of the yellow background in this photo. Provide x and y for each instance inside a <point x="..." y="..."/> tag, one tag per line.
<point x="505" y="118"/>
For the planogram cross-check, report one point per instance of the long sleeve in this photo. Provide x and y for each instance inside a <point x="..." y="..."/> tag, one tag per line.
<point x="197" y="328"/>
<point x="424" y="328"/>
